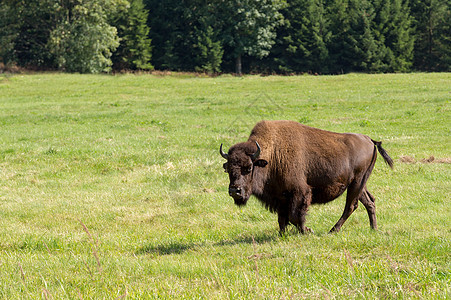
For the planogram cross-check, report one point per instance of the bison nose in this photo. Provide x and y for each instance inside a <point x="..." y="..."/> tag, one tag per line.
<point x="234" y="191"/>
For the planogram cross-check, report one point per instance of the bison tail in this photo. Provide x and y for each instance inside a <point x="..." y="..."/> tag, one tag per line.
<point x="384" y="153"/>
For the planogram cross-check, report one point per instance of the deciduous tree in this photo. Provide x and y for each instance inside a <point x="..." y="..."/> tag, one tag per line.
<point x="83" y="41"/>
<point x="248" y="27"/>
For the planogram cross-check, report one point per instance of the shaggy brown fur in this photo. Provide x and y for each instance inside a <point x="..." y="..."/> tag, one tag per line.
<point x="300" y="165"/>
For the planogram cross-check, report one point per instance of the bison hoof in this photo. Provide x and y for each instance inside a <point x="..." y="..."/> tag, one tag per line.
<point x="309" y="230"/>
<point x="306" y="230"/>
<point x="334" y="230"/>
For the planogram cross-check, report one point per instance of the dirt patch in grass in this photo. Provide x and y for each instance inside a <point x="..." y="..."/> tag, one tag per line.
<point x="431" y="159"/>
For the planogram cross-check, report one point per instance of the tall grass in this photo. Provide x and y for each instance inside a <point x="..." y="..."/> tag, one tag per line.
<point x="112" y="187"/>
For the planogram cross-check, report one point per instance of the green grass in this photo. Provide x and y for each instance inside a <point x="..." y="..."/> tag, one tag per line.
<point x="112" y="186"/>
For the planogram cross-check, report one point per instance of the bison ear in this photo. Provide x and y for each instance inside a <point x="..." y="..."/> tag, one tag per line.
<point x="260" y="163"/>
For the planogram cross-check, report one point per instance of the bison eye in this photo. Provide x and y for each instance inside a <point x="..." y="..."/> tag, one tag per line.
<point x="246" y="170"/>
<point x="225" y="167"/>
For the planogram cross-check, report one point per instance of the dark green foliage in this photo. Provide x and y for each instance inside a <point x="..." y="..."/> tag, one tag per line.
<point x="302" y="40"/>
<point x="25" y="27"/>
<point x="248" y="27"/>
<point x="205" y="47"/>
<point x="194" y="35"/>
<point x="8" y="33"/>
<point x="433" y="34"/>
<point x="340" y="36"/>
<point x="371" y="36"/>
<point x="165" y="23"/>
<point x="209" y="52"/>
<point x="351" y="45"/>
<point x="394" y="32"/>
<point x="134" y="51"/>
<point x="285" y="36"/>
<point x="183" y="36"/>
<point x="345" y="33"/>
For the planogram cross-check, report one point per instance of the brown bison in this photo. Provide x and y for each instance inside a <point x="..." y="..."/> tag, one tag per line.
<point x="289" y="166"/>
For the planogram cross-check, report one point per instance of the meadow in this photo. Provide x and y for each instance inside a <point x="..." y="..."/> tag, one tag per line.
<point x="112" y="187"/>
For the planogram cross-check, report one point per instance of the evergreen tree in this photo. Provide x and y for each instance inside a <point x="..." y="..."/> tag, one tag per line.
<point x="203" y="37"/>
<point x="183" y="36"/>
<point x="380" y="28"/>
<point x="209" y="52"/>
<point x="134" y="51"/>
<point x="302" y="40"/>
<point x="24" y="31"/>
<point x="315" y="47"/>
<point x="165" y="21"/>
<point x="393" y="28"/>
<point x="341" y="47"/>
<point x="433" y="34"/>
<point x="362" y="36"/>
<point x="9" y="31"/>
<point x="371" y="36"/>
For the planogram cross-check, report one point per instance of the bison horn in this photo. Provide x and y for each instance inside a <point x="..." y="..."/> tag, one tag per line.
<point x="225" y="155"/>
<point x="257" y="153"/>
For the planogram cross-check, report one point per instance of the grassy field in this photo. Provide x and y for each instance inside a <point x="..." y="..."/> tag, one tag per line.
<point x="112" y="187"/>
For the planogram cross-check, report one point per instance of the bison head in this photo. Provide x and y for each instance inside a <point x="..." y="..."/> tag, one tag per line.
<point x="242" y="159"/>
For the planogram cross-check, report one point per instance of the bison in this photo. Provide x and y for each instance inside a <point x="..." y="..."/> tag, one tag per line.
<point x="288" y="166"/>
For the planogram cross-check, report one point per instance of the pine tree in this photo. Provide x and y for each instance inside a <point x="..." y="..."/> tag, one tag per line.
<point x="370" y="36"/>
<point x="209" y="52"/>
<point x="25" y="31"/>
<point x="206" y="48"/>
<point x="9" y="31"/>
<point x="369" y="43"/>
<point x="433" y="34"/>
<point x="185" y="35"/>
<point x="166" y="24"/>
<point x="393" y="28"/>
<point x="341" y="45"/>
<point x="301" y="42"/>
<point x="134" y="51"/>
<point x="317" y="53"/>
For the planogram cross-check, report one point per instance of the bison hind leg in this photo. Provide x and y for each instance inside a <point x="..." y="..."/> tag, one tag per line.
<point x="368" y="201"/>
<point x="352" y="202"/>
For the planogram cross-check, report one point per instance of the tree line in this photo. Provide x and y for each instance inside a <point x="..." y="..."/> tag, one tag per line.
<point x="269" y="36"/>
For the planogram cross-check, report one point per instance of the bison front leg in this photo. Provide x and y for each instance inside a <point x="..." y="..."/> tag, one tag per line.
<point x="300" y="205"/>
<point x="283" y="221"/>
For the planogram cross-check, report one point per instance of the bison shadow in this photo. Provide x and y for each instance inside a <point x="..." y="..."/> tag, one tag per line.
<point x="167" y="248"/>
<point x="260" y="238"/>
<point x="180" y="247"/>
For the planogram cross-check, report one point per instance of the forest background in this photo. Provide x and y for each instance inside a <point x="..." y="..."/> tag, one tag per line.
<point x="251" y="36"/>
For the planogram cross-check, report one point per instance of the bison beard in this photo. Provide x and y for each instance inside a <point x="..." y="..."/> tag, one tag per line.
<point x="289" y="166"/>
